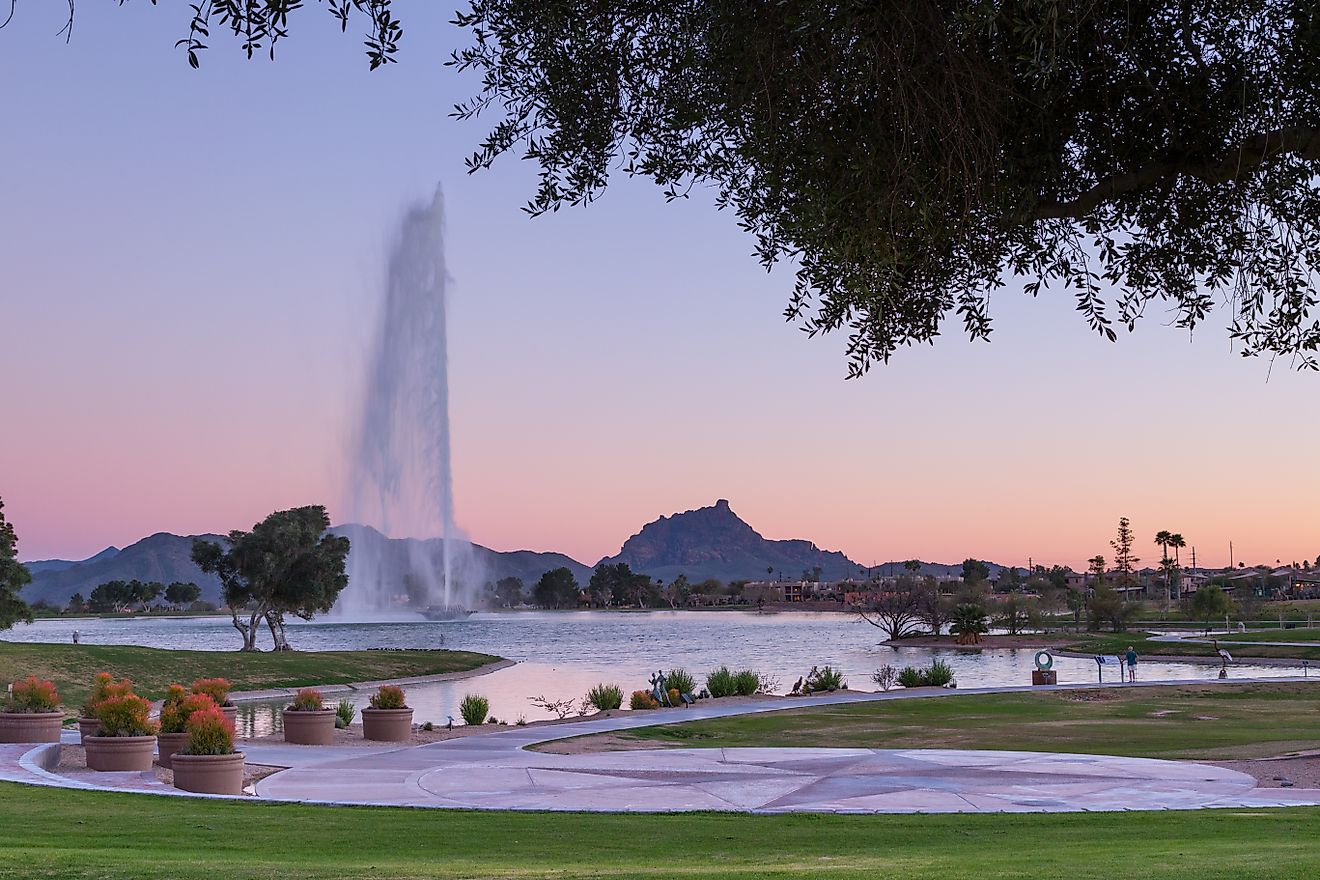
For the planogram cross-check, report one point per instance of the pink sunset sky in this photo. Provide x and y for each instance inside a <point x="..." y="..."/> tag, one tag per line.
<point x="190" y="263"/>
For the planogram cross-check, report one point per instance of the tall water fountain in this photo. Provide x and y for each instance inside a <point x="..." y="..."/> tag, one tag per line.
<point x="401" y="481"/>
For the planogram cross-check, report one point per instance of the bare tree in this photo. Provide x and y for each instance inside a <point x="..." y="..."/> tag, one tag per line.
<point x="894" y="610"/>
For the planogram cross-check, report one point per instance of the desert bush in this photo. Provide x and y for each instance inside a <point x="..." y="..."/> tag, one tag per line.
<point x="604" y="697"/>
<point x="210" y="732"/>
<point x="215" y="688"/>
<point x="307" y="700"/>
<point x="825" y="679"/>
<point x="885" y="677"/>
<point x="721" y="683"/>
<point x="33" y="695"/>
<point x="124" y="715"/>
<point x="179" y="706"/>
<point x="345" y="712"/>
<point x="681" y="680"/>
<point x="746" y="682"/>
<point x="911" y="677"/>
<point x="939" y="674"/>
<point x="643" y="700"/>
<point x="428" y="726"/>
<point x="474" y="708"/>
<point x="390" y="696"/>
<point x="561" y="708"/>
<point x="521" y="722"/>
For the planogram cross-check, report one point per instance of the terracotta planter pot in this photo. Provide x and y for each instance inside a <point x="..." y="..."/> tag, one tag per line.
<point x="387" y="725"/>
<point x="118" y="754"/>
<point x="88" y="727"/>
<point x="315" y="728"/>
<point x="168" y="744"/>
<point x="208" y="774"/>
<point x="30" y="727"/>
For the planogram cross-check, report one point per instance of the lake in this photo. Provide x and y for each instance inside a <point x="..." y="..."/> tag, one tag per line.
<point x="561" y="654"/>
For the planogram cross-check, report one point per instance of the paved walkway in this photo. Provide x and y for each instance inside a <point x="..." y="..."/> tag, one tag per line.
<point x="495" y="771"/>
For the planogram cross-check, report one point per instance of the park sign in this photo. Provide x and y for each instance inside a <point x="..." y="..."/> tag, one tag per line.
<point x="1103" y="660"/>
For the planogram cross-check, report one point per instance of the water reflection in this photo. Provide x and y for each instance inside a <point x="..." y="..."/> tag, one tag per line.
<point x="562" y="654"/>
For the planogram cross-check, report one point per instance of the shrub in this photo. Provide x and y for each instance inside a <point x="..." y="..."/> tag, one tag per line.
<point x="746" y="682"/>
<point x="643" y="700"/>
<point x="720" y="683"/>
<point x="215" y="688"/>
<point x="826" y="679"/>
<point x="675" y="698"/>
<point x="604" y="697"/>
<point x="124" y="715"/>
<point x="680" y="680"/>
<point x="210" y="732"/>
<point x="176" y="710"/>
<point x="492" y="720"/>
<point x="885" y="677"/>
<point x="521" y="722"/>
<point x="390" y="696"/>
<point x="428" y="727"/>
<point x="102" y="687"/>
<point x="33" y="695"/>
<point x="474" y="708"/>
<point x="307" y="700"/>
<point x="345" y="712"/>
<point x="939" y="674"/>
<point x="911" y="677"/>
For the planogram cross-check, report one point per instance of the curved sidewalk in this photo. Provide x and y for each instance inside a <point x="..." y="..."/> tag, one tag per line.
<point x="495" y="771"/>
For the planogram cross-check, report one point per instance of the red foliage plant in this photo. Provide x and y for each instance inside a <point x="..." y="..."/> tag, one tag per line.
<point x="33" y="695"/>
<point x="125" y="715"/>
<point x="216" y="688"/>
<point x="390" y="696"/>
<point x="307" y="700"/>
<point x="210" y="732"/>
<point x="174" y="713"/>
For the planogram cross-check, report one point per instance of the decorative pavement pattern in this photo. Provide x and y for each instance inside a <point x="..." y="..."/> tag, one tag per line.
<point x="496" y="771"/>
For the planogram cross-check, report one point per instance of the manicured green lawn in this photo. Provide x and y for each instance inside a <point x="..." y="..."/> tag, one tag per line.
<point x="1114" y="643"/>
<point x="54" y="833"/>
<point x="1194" y="721"/>
<point x="72" y="667"/>
<point x="1300" y="634"/>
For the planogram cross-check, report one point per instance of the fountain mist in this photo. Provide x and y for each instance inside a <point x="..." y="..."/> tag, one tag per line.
<point x="401" y="479"/>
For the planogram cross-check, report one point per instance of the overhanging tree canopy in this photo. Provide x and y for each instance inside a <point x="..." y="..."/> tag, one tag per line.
<point x="287" y="564"/>
<point x="909" y="157"/>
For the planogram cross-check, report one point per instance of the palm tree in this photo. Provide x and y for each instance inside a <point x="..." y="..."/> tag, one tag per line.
<point x="1162" y="539"/>
<point x="1176" y="541"/>
<point x="969" y="623"/>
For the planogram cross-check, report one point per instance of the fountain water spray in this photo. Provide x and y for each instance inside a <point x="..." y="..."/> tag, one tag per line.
<point x="401" y="479"/>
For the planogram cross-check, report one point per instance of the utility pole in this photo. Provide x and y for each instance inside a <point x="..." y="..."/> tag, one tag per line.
<point x="1193" y="557"/>
<point x="1230" y="554"/>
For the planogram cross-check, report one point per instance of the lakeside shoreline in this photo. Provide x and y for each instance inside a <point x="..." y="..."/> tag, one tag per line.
<point x="259" y="696"/>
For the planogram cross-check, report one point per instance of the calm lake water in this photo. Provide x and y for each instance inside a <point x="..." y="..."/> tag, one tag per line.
<point x="561" y="654"/>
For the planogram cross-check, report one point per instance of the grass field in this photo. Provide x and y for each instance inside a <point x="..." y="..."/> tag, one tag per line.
<point x="72" y="667"/>
<point x="1114" y="643"/>
<point x="1300" y="634"/>
<point x="62" y="833"/>
<point x="1194" y="721"/>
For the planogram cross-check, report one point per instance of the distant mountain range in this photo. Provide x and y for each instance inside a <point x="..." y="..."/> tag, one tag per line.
<point x="709" y="542"/>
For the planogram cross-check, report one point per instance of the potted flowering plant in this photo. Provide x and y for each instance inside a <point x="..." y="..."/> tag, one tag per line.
<point x="207" y="763"/>
<point x="32" y="713"/>
<point x="178" y="707"/>
<point x="389" y="719"/>
<point x="218" y="690"/>
<point x="102" y="686"/>
<point x="306" y="720"/>
<point x="126" y="737"/>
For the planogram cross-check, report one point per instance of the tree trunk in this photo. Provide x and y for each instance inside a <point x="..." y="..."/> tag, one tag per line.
<point x="275" y="620"/>
<point x="245" y="629"/>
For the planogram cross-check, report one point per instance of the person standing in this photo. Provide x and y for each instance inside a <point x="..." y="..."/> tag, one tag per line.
<point x="1131" y="658"/>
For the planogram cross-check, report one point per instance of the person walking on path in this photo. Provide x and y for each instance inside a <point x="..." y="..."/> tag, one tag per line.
<point x="1131" y="658"/>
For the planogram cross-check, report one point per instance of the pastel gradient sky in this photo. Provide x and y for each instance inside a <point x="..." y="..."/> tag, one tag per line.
<point x="189" y="269"/>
